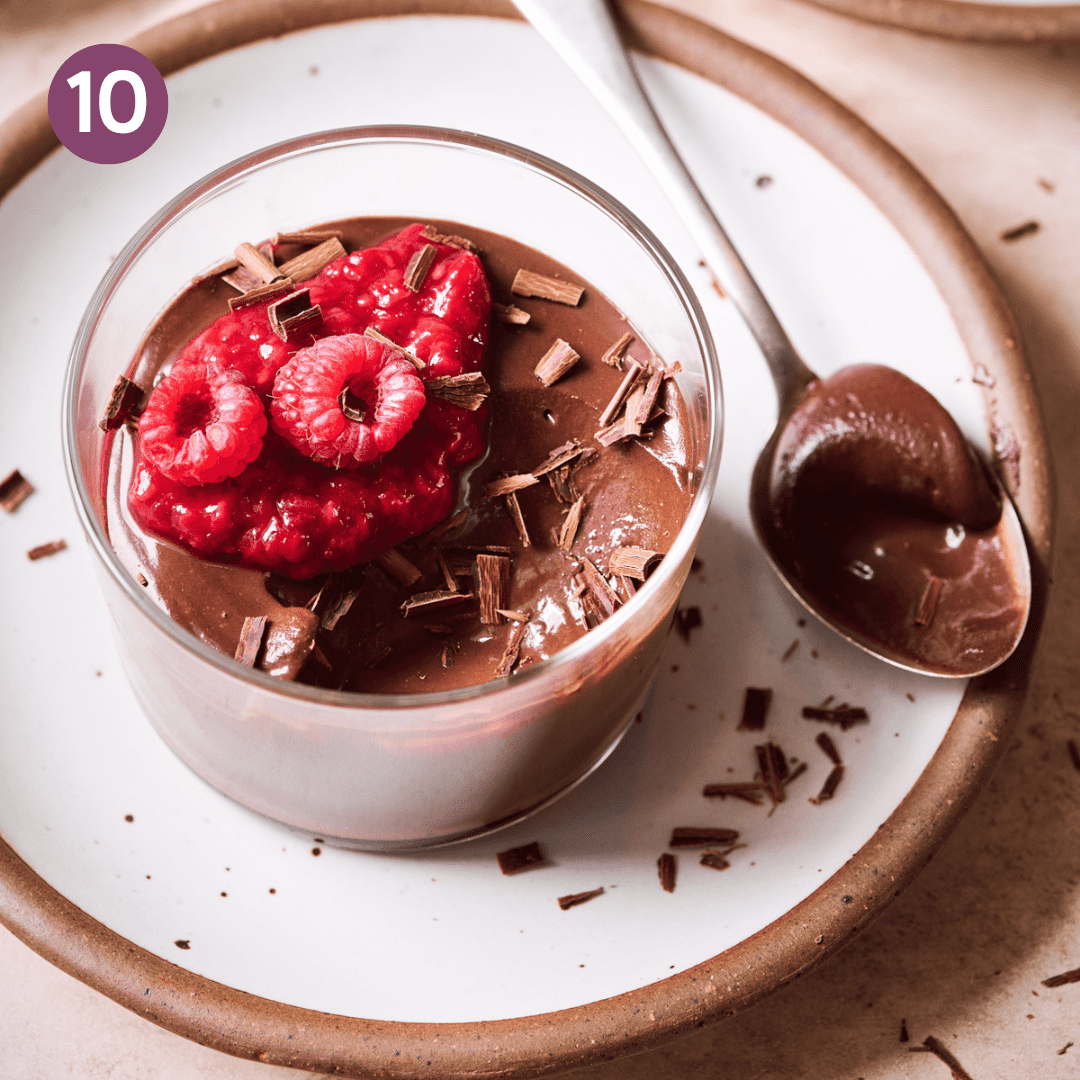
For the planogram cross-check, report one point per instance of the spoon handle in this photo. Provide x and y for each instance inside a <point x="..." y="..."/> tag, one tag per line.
<point x="584" y="34"/>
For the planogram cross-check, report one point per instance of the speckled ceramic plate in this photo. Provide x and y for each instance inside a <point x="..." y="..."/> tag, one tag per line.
<point x="126" y="871"/>
<point x="970" y="20"/>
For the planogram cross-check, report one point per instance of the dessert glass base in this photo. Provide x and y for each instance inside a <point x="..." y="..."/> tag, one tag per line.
<point x="392" y="771"/>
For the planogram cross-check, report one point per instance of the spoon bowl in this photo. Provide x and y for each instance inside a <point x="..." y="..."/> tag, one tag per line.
<point x="993" y="592"/>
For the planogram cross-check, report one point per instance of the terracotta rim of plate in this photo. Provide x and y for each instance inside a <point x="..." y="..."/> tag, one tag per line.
<point x="257" y="1028"/>
<point x="968" y="21"/>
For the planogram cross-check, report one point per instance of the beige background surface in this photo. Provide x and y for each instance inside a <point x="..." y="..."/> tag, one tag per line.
<point x="961" y="956"/>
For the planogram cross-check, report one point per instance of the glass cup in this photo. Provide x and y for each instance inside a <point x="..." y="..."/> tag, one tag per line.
<point x="383" y="771"/>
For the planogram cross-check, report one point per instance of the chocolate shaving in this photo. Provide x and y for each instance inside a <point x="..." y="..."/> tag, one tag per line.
<point x="795" y="773"/>
<point x="626" y="588"/>
<point x="935" y="1047"/>
<point x="526" y="283"/>
<point x="123" y="405"/>
<point x="307" y="236"/>
<point x="789" y="652"/>
<point x="508" y="313"/>
<point x="824" y="740"/>
<point x="15" y="489"/>
<point x="433" y="601"/>
<point x="449" y="525"/>
<point x="615" y="353"/>
<point x="512" y="651"/>
<point x="633" y="562"/>
<point x="556" y="362"/>
<point x="251" y="639"/>
<point x="450" y="239"/>
<point x="515" y="616"/>
<point x="568" y="532"/>
<point x="507" y="484"/>
<point x="927" y="609"/>
<point x="493" y="586"/>
<point x="469" y="390"/>
<point x="256" y="262"/>
<point x="1063" y="979"/>
<point x="903" y="1031"/>
<point x="644" y="408"/>
<point x="377" y="335"/>
<point x="755" y="708"/>
<point x="750" y="791"/>
<point x="333" y="601"/>
<point x="687" y="619"/>
<point x="574" y="899"/>
<point x="309" y="263"/>
<point x="703" y="836"/>
<point x="714" y="860"/>
<point x="773" y="768"/>
<point x="631" y="424"/>
<point x="398" y="567"/>
<point x="665" y="867"/>
<point x="611" y="434"/>
<point x="846" y="715"/>
<point x="605" y="596"/>
<point x="514" y="860"/>
<point x="260" y="293"/>
<point x="633" y="373"/>
<point x="142" y="579"/>
<point x="558" y="457"/>
<point x="447" y="655"/>
<point x="514" y="507"/>
<point x="444" y="567"/>
<point x="43" y="551"/>
<point x="828" y="789"/>
<point x="419" y="263"/>
<point x="243" y="280"/>
<point x="1020" y="231"/>
<point x="293" y="314"/>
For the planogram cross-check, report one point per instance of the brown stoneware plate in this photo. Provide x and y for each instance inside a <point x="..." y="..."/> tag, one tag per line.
<point x="124" y="870"/>
<point x="969" y="21"/>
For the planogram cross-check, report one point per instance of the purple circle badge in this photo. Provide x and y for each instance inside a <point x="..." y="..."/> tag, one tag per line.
<point x="108" y="104"/>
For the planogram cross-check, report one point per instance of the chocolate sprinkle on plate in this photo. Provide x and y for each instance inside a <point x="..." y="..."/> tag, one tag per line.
<point x="701" y="836"/>
<point x="42" y="551"/>
<point x="14" y="490"/>
<point x="566" y="902"/>
<point x="845" y="715"/>
<point x="1063" y="979"/>
<point x="514" y="860"/>
<point x="824" y="740"/>
<point x="665" y="867"/>
<point x="755" y="708"/>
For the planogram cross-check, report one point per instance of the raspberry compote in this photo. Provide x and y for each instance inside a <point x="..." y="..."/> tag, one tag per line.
<point x="324" y="482"/>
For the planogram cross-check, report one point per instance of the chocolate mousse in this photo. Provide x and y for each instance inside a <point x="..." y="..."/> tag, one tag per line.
<point x="538" y="485"/>
<point x="883" y="513"/>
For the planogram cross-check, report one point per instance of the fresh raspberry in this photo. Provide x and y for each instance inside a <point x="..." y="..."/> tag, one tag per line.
<point x="311" y="392"/>
<point x="287" y="512"/>
<point x="202" y="424"/>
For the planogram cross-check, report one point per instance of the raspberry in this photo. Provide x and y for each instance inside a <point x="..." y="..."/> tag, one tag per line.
<point x="311" y="393"/>
<point x="202" y="424"/>
<point x="292" y="513"/>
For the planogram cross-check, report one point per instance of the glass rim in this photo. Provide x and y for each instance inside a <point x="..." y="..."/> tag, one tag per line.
<point x="401" y="134"/>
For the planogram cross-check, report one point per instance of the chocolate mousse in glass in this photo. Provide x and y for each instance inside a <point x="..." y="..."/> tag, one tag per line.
<point x="396" y="542"/>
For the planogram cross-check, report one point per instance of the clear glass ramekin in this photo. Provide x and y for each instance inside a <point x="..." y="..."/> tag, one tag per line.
<point x="391" y="772"/>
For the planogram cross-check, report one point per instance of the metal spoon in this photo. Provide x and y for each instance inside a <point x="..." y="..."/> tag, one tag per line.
<point x="585" y="35"/>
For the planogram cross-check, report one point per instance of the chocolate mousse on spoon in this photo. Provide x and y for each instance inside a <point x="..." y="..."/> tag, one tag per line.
<point x="868" y="500"/>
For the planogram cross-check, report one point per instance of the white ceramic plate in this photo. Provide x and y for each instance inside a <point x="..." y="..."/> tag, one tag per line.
<point x="443" y="937"/>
